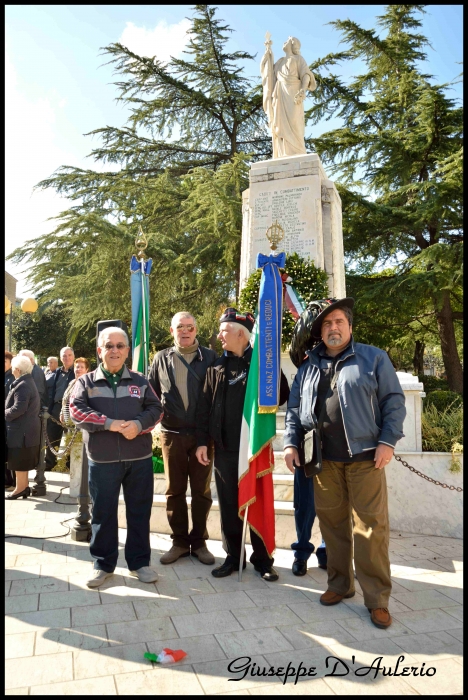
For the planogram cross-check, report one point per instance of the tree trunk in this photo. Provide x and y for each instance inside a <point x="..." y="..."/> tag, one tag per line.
<point x="418" y="357"/>
<point x="212" y="341"/>
<point x="448" y="345"/>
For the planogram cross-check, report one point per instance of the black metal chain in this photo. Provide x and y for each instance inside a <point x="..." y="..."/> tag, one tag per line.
<point x="428" y="478"/>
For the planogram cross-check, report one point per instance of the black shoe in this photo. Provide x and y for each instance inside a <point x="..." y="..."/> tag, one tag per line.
<point x="268" y="572"/>
<point x="299" y="568"/>
<point x="22" y="494"/>
<point x="226" y="569"/>
<point x="322" y="565"/>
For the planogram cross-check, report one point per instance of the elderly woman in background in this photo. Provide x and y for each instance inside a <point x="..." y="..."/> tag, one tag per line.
<point x="81" y="366"/>
<point x="23" y="425"/>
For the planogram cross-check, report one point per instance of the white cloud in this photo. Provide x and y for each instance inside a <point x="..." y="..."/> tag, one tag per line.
<point x="164" y="41"/>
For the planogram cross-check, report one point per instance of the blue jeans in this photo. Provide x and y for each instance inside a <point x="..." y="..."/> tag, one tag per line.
<point x="304" y="516"/>
<point x="105" y="480"/>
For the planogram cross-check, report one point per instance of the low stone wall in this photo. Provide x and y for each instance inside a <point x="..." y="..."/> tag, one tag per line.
<point x="418" y="506"/>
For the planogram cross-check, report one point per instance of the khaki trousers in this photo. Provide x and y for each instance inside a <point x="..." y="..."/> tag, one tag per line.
<point x="180" y="466"/>
<point x="351" y="504"/>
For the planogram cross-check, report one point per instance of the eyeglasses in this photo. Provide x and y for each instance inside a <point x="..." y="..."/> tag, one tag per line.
<point x="119" y="346"/>
<point x="190" y="329"/>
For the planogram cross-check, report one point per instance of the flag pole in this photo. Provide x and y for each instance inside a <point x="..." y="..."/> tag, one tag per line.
<point x="244" y="534"/>
<point x="141" y="244"/>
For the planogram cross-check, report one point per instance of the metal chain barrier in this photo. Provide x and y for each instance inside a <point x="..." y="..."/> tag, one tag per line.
<point x="67" y="449"/>
<point x="428" y="478"/>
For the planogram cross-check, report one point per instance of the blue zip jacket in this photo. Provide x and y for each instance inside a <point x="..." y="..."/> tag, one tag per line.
<point x="371" y="399"/>
<point x="93" y="407"/>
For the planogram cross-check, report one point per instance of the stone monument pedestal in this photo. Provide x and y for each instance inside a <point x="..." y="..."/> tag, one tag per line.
<point x="296" y="192"/>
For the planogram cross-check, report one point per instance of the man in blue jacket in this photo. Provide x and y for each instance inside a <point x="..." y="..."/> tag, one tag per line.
<point x="354" y="389"/>
<point x="117" y="409"/>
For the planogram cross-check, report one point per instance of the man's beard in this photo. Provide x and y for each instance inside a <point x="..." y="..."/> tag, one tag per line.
<point x="334" y="340"/>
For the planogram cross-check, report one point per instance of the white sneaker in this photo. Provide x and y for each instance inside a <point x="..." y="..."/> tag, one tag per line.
<point x="98" y="578"/>
<point x="145" y="574"/>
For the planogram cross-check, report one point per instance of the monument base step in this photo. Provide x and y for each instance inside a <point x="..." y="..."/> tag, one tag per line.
<point x="284" y="521"/>
<point x="283" y="485"/>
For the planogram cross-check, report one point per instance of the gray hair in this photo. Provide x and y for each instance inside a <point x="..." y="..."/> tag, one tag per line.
<point x="182" y="314"/>
<point x="239" y="326"/>
<point x="348" y="313"/>
<point x="28" y="353"/>
<point x="23" y="363"/>
<point x="53" y="358"/>
<point x="67" y="347"/>
<point x="111" y="329"/>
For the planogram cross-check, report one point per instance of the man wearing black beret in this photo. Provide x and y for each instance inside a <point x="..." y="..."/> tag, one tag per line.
<point x="219" y="420"/>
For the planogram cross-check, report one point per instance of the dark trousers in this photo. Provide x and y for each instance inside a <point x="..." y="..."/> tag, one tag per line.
<point x="304" y="516"/>
<point x="105" y="480"/>
<point x="54" y="433"/>
<point x="226" y="476"/>
<point x="180" y="465"/>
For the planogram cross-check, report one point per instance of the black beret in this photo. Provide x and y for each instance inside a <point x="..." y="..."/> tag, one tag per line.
<point x="232" y="315"/>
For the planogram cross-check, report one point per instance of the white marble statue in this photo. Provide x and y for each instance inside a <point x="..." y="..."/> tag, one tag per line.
<point x="284" y="90"/>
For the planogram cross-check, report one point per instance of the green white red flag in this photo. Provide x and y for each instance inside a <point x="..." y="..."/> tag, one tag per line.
<point x="256" y="460"/>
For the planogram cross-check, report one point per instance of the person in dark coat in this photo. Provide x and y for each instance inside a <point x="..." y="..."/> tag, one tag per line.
<point x="23" y="425"/>
<point x="10" y="480"/>
<point x="38" y="376"/>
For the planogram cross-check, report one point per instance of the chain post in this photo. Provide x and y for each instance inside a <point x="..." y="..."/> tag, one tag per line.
<point x="81" y="528"/>
<point x="40" y="489"/>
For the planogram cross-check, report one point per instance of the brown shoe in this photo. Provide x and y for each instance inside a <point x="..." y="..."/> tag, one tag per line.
<point x="380" y="617"/>
<point x="173" y="554"/>
<point x="204" y="555"/>
<point x="332" y="598"/>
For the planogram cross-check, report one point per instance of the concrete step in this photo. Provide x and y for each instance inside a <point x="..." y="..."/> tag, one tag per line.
<point x="284" y="521"/>
<point x="283" y="485"/>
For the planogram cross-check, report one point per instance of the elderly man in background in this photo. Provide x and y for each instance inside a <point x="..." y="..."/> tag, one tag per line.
<point x="38" y="376"/>
<point x="117" y="409"/>
<point x="177" y="376"/>
<point x="52" y="366"/>
<point x="352" y="391"/>
<point x="62" y="378"/>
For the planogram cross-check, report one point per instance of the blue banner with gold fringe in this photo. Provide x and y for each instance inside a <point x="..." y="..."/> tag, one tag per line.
<point x="269" y="320"/>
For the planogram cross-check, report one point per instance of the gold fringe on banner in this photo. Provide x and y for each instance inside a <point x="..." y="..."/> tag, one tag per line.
<point x="268" y="409"/>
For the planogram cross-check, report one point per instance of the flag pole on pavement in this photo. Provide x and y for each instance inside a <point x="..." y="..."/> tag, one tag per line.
<point x="139" y="285"/>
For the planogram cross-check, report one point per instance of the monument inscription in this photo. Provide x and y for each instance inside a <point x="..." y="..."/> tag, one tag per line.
<point x="292" y="206"/>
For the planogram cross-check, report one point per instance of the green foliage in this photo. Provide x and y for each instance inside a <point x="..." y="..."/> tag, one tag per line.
<point x="442" y="430"/>
<point x="309" y="281"/>
<point x="399" y="159"/>
<point x="49" y="330"/>
<point x="433" y="383"/>
<point x="443" y="400"/>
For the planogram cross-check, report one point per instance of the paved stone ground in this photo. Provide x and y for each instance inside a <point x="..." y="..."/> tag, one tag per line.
<point x="65" y="639"/>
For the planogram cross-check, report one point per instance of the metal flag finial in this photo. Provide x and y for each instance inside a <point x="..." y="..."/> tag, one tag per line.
<point x="141" y="243"/>
<point x="275" y="234"/>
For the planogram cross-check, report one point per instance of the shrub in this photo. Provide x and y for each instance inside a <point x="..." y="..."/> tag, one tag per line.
<point x="443" y="399"/>
<point x="433" y="383"/>
<point x="442" y="431"/>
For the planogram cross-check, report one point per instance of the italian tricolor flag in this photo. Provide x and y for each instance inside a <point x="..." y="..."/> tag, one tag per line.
<point x="256" y="461"/>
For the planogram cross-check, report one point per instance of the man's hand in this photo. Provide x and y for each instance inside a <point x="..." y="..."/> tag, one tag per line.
<point x="129" y="429"/>
<point x="202" y="455"/>
<point x="116" y="426"/>
<point x="291" y="455"/>
<point x="383" y="455"/>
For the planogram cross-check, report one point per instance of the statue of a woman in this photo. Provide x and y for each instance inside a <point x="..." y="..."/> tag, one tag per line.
<point x="284" y="90"/>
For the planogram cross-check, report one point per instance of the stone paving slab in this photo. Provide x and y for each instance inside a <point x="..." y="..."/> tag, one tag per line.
<point x="77" y="641"/>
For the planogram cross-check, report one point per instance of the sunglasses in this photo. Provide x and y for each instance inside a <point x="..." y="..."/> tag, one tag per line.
<point x="190" y="328"/>
<point x="119" y="346"/>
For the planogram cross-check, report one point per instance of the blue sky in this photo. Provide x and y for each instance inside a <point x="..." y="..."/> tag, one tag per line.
<point x="57" y="87"/>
